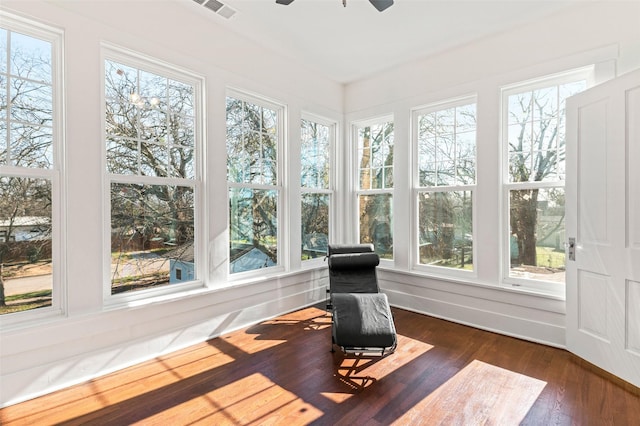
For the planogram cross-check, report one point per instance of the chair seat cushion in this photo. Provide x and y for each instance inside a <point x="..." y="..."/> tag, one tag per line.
<point x="363" y="320"/>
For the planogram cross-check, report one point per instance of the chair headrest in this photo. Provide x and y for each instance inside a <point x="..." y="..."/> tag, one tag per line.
<point x="349" y="248"/>
<point x="352" y="261"/>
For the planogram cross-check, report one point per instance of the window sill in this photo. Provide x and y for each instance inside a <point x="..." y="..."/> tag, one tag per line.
<point x="474" y="282"/>
<point x="165" y="295"/>
<point x="30" y="319"/>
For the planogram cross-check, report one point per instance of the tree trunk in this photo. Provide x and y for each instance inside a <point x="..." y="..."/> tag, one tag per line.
<point x="364" y="182"/>
<point x="524" y="218"/>
<point x="2" y="301"/>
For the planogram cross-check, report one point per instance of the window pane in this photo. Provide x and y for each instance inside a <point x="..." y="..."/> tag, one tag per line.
<point x="181" y="99"/>
<point x="365" y="178"/>
<point x="31" y="102"/>
<point x="155" y="159"/>
<point x="445" y="229"/>
<point x="446" y="173"/>
<point x="25" y="243"/>
<point x="31" y="146"/>
<point x="152" y="125"/>
<point x="3" y="143"/>
<point x="156" y="116"/>
<point x="519" y="108"/>
<point x="181" y="162"/>
<point x="152" y="231"/>
<point x="122" y="156"/>
<point x="269" y="121"/>
<point x="121" y="119"/>
<point x="26" y="101"/>
<point x="447" y="147"/>
<point x="251" y="117"/>
<point x="536" y="136"/>
<point x="315" y="148"/>
<point x="466" y="118"/>
<point x="375" y="156"/>
<point x="153" y="90"/>
<point x="182" y="130"/>
<point x="269" y="159"/>
<point x="315" y="162"/>
<point x="537" y="234"/>
<point x="237" y="166"/>
<point x="253" y="226"/>
<point x="30" y="58"/>
<point x="315" y="225"/>
<point x="3" y="52"/>
<point x="466" y="158"/>
<point x="252" y="143"/>
<point x="445" y="121"/>
<point x="376" y="223"/>
<point x="120" y="80"/>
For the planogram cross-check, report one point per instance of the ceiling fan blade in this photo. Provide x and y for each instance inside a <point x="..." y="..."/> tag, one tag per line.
<point x="285" y="2"/>
<point x="381" y="4"/>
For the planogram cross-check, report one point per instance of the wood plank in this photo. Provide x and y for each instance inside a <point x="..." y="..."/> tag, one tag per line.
<point x="281" y="372"/>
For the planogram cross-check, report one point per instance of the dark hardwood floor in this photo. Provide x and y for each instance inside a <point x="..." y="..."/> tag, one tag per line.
<point x="281" y="372"/>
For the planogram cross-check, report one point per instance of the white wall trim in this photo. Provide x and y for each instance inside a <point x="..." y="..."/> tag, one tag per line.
<point x="99" y="344"/>
<point x="532" y="317"/>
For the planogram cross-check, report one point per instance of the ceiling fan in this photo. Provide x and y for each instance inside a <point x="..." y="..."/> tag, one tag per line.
<point x="378" y="4"/>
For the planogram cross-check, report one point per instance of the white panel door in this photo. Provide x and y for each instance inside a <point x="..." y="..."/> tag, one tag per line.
<point x="603" y="215"/>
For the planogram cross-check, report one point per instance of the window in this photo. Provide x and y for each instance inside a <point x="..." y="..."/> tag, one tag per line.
<point x="151" y="157"/>
<point x="445" y="136"/>
<point x="254" y="138"/>
<point x="375" y="185"/>
<point x="316" y="148"/>
<point x="30" y="168"/>
<point x="534" y="146"/>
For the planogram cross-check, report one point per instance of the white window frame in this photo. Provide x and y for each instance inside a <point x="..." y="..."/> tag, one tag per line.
<point x="56" y="174"/>
<point x="417" y="190"/>
<point x="355" y="127"/>
<point x="141" y="61"/>
<point x="282" y="233"/>
<point x="526" y="284"/>
<point x="333" y="126"/>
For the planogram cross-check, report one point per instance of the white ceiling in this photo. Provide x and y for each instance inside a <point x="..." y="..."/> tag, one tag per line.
<point x="350" y="43"/>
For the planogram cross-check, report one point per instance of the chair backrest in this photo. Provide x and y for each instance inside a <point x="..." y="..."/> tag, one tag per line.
<point x="349" y="248"/>
<point x="353" y="271"/>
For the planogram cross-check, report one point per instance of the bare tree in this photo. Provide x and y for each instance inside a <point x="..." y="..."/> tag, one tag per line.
<point x="315" y="151"/>
<point x="149" y="132"/>
<point x="536" y="154"/>
<point x="26" y="108"/>
<point x="376" y="172"/>
<point x="252" y="162"/>
<point x="446" y="157"/>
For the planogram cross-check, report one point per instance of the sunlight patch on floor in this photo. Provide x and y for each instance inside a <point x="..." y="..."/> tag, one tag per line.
<point x="250" y="400"/>
<point x="359" y="372"/>
<point x="270" y="333"/>
<point x="491" y="395"/>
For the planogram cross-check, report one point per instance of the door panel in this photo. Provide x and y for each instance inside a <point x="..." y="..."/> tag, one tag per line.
<point x="603" y="213"/>
<point x="633" y="316"/>
<point x="633" y="179"/>
<point x="593" y="296"/>
<point x="592" y="172"/>
<point x="633" y="219"/>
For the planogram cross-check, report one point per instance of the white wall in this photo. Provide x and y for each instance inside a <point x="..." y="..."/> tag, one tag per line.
<point x="88" y="340"/>
<point x="525" y="52"/>
<point x="606" y="34"/>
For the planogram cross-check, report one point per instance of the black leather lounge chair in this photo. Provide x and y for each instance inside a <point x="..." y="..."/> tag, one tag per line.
<point x="362" y="321"/>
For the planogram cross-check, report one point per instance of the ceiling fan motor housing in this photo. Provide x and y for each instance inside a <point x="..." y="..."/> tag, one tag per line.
<point x="378" y="4"/>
